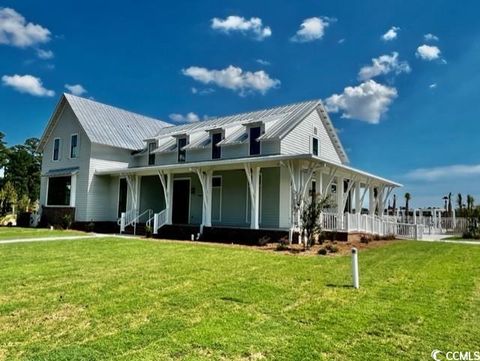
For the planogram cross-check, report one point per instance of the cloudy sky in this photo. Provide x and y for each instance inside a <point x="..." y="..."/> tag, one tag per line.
<point x="400" y="79"/>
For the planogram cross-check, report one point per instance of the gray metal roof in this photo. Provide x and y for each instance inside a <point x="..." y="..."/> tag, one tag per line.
<point x="278" y="114"/>
<point x="112" y="126"/>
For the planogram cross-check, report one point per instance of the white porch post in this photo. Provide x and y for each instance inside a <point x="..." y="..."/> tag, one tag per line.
<point x="358" y="206"/>
<point x="371" y="200"/>
<point x="205" y="177"/>
<point x="253" y="178"/>
<point x="167" y="185"/>
<point x="340" y="203"/>
<point x="380" y="201"/>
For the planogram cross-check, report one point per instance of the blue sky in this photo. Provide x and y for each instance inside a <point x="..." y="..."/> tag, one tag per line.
<point x="407" y="105"/>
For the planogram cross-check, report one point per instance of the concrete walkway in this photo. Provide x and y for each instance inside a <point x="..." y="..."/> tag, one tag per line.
<point x="65" y="238"/>
<point x="459" y="241"/>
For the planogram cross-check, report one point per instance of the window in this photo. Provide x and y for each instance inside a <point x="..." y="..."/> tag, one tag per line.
<point x="315" y="146"/>
<point x="59" y="191"/>
<point x="313" y="190"/>
<point x="151" y="156"/>
<point x="217" y="198"/>
<point x="254" y="143"/>
<point x="74" y="146"/>
<point x="56" y="149"/>
<point x="181" y="142"/>
<point x="216" y="150"/>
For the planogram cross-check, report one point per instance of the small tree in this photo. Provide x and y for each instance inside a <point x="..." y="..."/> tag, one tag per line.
<point x="8" y="198"/>
<point x="310" y="217"/>
<point x="408" y="197"/>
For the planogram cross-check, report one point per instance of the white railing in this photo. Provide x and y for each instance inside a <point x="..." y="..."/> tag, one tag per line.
<point x="368" y="224"/>
<point x="132" y="218"/>
<point x="159" y="220"/>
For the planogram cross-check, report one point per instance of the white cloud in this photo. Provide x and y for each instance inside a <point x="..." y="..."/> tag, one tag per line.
<point x="433" y="86"/>
<point x="254" y="26"/>
<point x="15" y="31"/>
<point x="188" y="118"/>
<point x="263" y="62"/>
<point x="450" y="171"/>
<point x="382" y="65"/>
<point x="27" y="84"/>
<point x="391" y="34"/>
<point x="45" y="54"/>
<point x="367" y="101"/>
<point x="76" y="89"/>
<point x="204" y="91"/>
<point x="341" y="41"/>
<point x="430" y="37"/>
<point x="233" y="78"/>
<point x="312" y="29"/>
<point x="428" y="52"/>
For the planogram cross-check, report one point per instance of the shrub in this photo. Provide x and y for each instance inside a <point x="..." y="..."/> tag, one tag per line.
<point x="66" y="221"/>
<point x="364" y="239"/>
<point x="322" y="252"/>
<point x="282" y="244"/>
<point x="333" y="249"/>
<point x="263" y="241"/>
<point x="148" y="231"/>
<point x="90" y="227"/>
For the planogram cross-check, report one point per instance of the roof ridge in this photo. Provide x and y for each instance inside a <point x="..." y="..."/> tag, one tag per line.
<point x="69" y="95"/>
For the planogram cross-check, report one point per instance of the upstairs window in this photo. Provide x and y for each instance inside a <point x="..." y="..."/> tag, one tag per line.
<point x="315" y="146"/>
<point x="74" y="146"/>
<point x="181" y="142"/>
<point x="254" y="143"/>
<point x="216" y="150"/>
<point x="56" y="149"/>
<point x="151" y="156"/>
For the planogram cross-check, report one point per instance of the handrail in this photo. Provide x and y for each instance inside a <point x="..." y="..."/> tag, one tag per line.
<point x="132" y="217"/>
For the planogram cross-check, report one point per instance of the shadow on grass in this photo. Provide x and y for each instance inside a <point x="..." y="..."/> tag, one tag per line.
<point x="331" y="285"/>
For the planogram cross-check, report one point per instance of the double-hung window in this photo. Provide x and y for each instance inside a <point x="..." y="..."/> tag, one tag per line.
<point x="314" y="145"/>
<point x="74" y="146"/>
<point x="56" y="149"/>
<point x="254" y="134"/>
<point x="216" y="150"/>
<point x="151" y="156"/>
<point x="181" y="142"/>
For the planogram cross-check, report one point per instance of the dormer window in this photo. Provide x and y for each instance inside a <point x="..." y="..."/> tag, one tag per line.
<point x="216" y="150"/>
<point x="181" y="142"/>
<point x="74" y="146"/>
<point x="254" y="134"/>
<point x="314" y="145"/>
<point x="56" y="149"/>
<point x="151" y="156"/>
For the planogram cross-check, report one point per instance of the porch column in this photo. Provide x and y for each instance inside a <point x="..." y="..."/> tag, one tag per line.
<point x="371" y="200"/>
<point x="205" y="177"/>
<point x="340" y="203"/>
<point x="358" y="206"/>
<point x="380" y="201"/>
<point x="167" y="185"/>
<point x="253" y="178"/>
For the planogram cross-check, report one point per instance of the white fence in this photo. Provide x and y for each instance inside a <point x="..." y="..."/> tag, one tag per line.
<point x="364" y="223"/>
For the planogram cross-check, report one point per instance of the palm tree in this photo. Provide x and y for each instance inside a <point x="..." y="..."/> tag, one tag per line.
<point x="407" y="200"/>
<point x="394" y="206"/>
<point x="449" y="208"/>
<point x="460" y="203"/>
<point x="470" y="202"/>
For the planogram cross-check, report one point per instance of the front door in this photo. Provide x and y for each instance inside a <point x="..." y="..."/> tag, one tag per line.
<point x="181" y="201"/>
<point x="122" y="197"/>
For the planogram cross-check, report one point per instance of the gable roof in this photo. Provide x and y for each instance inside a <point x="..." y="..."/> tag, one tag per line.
<point x="105" y="124"/>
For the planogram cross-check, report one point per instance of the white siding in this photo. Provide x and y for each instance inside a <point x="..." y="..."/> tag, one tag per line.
<point x="285" y="198"/>
<point x="298" y="141"/>
<point x="101" y="206"/>
<point x="67" y="125"/>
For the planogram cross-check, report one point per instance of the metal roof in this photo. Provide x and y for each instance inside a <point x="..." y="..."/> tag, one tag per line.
<point x="107" y="125"/>
<point x="112" y="126"/>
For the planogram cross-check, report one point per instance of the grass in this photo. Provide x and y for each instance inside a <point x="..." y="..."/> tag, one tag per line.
<point x="7" y="233"/>
<point x="119" y="299"/>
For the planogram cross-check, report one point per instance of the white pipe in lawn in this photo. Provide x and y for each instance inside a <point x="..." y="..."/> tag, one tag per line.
<point x="355" y="276"/>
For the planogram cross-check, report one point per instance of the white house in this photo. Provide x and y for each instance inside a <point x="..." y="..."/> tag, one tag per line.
<point x="244" y="171"/>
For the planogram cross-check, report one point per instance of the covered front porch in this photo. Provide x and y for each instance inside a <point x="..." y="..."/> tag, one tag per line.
<point x="251" y="193"/>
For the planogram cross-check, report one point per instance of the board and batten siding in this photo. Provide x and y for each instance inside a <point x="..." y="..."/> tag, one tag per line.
<point x="299" y="139"/>
<point x="100" y="206"/>
<point x="67" y="125"/>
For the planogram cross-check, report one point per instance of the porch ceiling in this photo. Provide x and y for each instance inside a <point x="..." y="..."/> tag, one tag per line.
<point x="307" y="160"/>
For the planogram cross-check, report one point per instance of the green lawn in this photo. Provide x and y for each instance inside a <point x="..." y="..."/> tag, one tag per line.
<point x="118" y="299"/>
<point x="19" y="232"/>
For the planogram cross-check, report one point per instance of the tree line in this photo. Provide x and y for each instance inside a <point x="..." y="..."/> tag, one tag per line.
<point x="20" y="185"/>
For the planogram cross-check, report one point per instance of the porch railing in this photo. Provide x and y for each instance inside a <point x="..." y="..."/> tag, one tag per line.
<point x="159" y="220"/>
<point x="370" y="225"/>
<point x="133" y="217"/>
